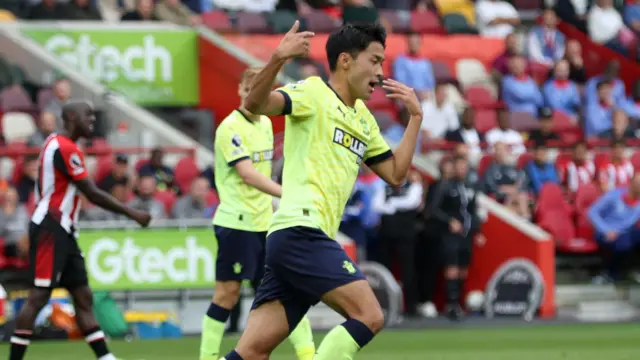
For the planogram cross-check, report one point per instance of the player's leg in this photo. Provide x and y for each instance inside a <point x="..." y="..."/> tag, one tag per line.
<point x="450" y="248"/>
<point x="45" y="259"/>
<point x="236" y="261"/>
<point x="302" y="340"/>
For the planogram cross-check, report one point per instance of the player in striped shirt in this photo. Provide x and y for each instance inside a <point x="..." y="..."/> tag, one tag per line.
<point x="55" y="257"/>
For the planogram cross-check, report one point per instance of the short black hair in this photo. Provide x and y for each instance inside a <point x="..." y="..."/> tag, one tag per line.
<point x="353" y="39"/>
<point x="540" y="144"/>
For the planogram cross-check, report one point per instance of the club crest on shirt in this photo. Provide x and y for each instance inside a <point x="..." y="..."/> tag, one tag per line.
<point x="260" y="156"/>
<point x="350" y="142"/>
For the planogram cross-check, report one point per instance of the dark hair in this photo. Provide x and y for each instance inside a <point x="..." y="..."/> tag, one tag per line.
<point x="602" y="83"/>
<point x="457" y="158"/>
<point x="353" y="39"/>
<point x="540" y="144"/>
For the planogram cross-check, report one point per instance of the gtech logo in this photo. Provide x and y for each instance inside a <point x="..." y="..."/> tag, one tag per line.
<point x="350" y="142"/>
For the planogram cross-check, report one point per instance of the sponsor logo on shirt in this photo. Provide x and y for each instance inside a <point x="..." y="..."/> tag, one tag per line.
<point x="350" y="142"/>
<point x="260" y="156"/>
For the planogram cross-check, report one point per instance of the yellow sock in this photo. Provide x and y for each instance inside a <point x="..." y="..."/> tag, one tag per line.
<point x="337" y="345"/>
<point x="212" y="332"/>
<point x="302" y="340"/>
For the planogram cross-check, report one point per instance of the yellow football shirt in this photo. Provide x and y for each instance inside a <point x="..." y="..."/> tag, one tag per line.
<point x="242" y="207"/>
<point x="325" y="143"/>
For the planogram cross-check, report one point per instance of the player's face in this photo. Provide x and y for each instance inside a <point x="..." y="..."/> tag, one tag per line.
<point x="365" y="72"/>
<point x="87" y="118"/>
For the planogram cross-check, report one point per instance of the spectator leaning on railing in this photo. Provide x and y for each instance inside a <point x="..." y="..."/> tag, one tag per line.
<point x="144" y="198"/>
<point x="194" y="204"/>
<point x="142" y="12"/>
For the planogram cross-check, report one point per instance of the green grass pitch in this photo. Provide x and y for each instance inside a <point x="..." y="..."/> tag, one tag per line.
<point x="553" y="342"/>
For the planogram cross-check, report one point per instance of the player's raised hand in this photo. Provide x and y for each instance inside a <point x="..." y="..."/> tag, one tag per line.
<point x="402" y="92"/>
<point x="294" y="43"/>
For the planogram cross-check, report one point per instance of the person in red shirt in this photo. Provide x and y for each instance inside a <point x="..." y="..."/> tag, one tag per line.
<point x="55" y="257"/>
<point x="580" y="170"/>
<point x="618" y="172"/>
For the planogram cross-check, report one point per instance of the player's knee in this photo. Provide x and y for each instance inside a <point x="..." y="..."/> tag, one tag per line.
<point x="82" y="299"/>
<point x="38" y="299"/>
<point x="374" y="319"/>
<point x="226" y="294"/>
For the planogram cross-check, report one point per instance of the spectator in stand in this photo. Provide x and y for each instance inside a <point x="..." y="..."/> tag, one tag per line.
<point x="395" y="132"/>
<point x="176" y="12"/>
<point x="496" y="18"/>
<point x="89" y="212"/>
<point x="46" y="126"/>
<point x="143" y="12"/>
<point x="540" y="170"/>
<point x="631" y="105"/>
<point x="598" y="115"/>
<point x="505" y="182"/>
<point x="560" y="93"/>
<point x="632" y="15"/>
<point x="606" y="27"/>
<point x="144" y="197"/>
<point x="304" y="67"/>
<point x="519" y="91"/>
<point x="208" y="174"/>
<point x="194" y="204"/>
<point x="620" y="129"/>
<point x="413" y="69"/>
<point x="263" y="6"/>
<point x="48" y="10"/>
<point x="61" y="94"/>
<point x="545" y="132"/>
<point x="618" y="172"/>
<point x="580" y="170"/>
<point x="615" y="218"/>
<point x="467" y="132"/>
<point x="441" y="113"/>
<point x="462" y="150"/>
<point x="27" y="182"/>
<point x="505" y="134"/>
<point x="118" y="175"/>
<point x="610" y="75"/>
<point x="83" y="10"/>
<point x="574" y="12"/>
<point x="14" y="219"/>
<point x="156" y="168"/>
<point x="546" y="44"/>
<point x="573" y="55"/>
<point x="501" y="63"/>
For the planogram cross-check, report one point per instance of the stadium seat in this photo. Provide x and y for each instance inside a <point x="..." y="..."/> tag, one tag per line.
<point x="44" y="97"/>
<point x="563" y="158"/>
<point x="456" y="23"/>
<point x="441" y="71"/>
<point x="524" y="159"/>
<point x="479" y="97"/>
<point x="558" y="224"/>
<point x="425" y="22"/>
<point x="486" y="119"/>
<point x="385" y="118"/>
<point x="462" y="7"/>
<point x="320" y="22"/>
<point x="398" y="22"/>
<point x="539" y="72"/>
<point x="31" y="203"/>
<point x="105" y="165"/>
<point x="551" y="198"/>
<point x="185" y="171"/>
<point x="217" y="20"/>
<point x="523" y="121"/>
<point x="484" y="163"/>
<point x="252" y="23"/>
<point x="455" y="98"/>
<point x="380" y="101"/>
<point x="281" y="20"/>
<point x="17" y="126"/>
<point x="563" y="122"/>
<point x="470" y="72"/>
<point x="140" y="163"/>
<point x="14" y="97"/>
<point x="167" y="198"/>
<point x="635" y="160"/>
<point x="212" y="198"/>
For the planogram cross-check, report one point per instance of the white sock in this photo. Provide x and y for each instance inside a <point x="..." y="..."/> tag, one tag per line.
<point x="108" y="357"/>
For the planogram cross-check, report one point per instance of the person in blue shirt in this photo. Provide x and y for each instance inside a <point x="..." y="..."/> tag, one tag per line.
<point x="540" y="170"/>
<point x="414" y="70"/>
<point x="560" y="93"/>
<point x="615" y="218"/>
<point x="598" y="114"/>
<point x="610" y="75"/>
<point x="520" y="92"/>
<point x="632" y="15"/>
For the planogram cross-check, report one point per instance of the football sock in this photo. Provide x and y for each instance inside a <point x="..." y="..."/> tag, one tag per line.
<point x="302" y="340"/>
<point x="95" y="338"/>
<point x="19" y="343"/>
<point x="233" y="355"/>
<point x="212" y="331"/>
<point x="453" y="292"/>
<point x="344" y="341"/>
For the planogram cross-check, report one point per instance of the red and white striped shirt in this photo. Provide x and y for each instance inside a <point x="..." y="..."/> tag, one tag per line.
<point x="613" y="176"/>
<point x="61" y="164"/>
<point x="573" y="175"/>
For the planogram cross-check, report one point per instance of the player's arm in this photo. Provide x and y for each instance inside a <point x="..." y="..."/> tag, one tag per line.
<point x="252" y="177"/>
<point x="261" y="99"/>
<point x="394" y="169"/>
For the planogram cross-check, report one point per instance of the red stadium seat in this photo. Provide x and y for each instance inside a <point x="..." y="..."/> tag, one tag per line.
<point x="217" y="20"/>
<point x="563" y="122"/>
<point x="186" y="170"/>
<point x="44" y="97"/>
<point x="558" y="224"/>
<point x="562" y="159"/>
<point x="252" y="23"/>
<point x="31" y="203"/>
<point x="527" y="4"/>
<point x="539" y="72"/>
<point x="425" y="22"/>
<point x="485" y="162"/>
<point x="104" y="167"/>
<point x="212" y="198"/>
<point x="319" y="21"/>
<point x="635" y="160"/>
<point x="524" y="159"/>
<point x="551" y="199"/>
<point x="167" y="198"/>
<point x="15" y="98"/>
<point x="398" y="23"/>
<point x="523" y="121"/>
<point x="486" y="119"/>
<point x="479" y="97"/>
<point x="586" y="195"/>
<point x="379" y="100"/>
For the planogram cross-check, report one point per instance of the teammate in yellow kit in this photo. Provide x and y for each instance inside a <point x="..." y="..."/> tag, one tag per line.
<point x="243" y="155"/>
<point x="329" y="132"/>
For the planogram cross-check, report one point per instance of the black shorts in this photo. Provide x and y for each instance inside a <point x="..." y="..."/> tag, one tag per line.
<point x="456" y="250"/>
<point x="240" y="254"/>
<point x="55" y="259"/>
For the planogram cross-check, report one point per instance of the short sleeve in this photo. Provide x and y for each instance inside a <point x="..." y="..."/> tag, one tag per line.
<point x="232" y="144"/>
<point x="70" y="160"/>
<point x="377" y="149"/>
<point x="298" y="99"/>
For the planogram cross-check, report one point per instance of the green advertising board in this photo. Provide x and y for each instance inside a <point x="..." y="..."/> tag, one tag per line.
<point x="149" y="259"/>
<point x="151" y="67"/>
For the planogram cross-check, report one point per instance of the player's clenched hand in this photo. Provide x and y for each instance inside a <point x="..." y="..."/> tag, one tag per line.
<point x="141" y="217"/>
<point x="402" y="92"/>
<point x="294" y="43"/>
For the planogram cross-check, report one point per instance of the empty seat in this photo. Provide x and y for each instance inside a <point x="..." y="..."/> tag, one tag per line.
<point x="17" y="126"/>
<point x="470" y="72"/>
<point x="15" y="97"/>
<point x="454" y="96"/>
<point x="425" y="22"/>
<point x="441" y="71"/>
<point x="558" y="224"/>
<point x="486" y="119"/>
<point x="251" y="23"/>
<point x="539" y="72"/>
<point x="479" y="97"/>
<point x="562" y="159"/>
<point x="186" y="170"/>
<point x="379" y="100"/>
<point x="399" y="21"/>
<point x="320" y="22"/>
<point x="523" y="121"/>
<point x="551" y="199"/>
<point x="217" y="20"/>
